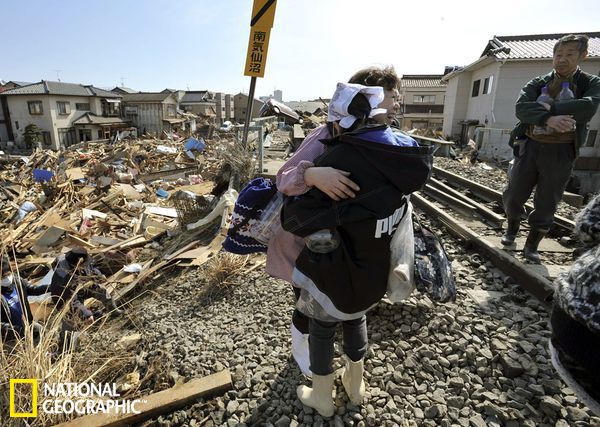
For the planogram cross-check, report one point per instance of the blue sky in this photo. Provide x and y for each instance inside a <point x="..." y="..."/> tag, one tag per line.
<point x="201" y="44"/>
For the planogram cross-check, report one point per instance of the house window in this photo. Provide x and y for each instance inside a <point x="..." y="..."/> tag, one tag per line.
<point x="475" y="91"/>
<point x="170" y="110"/>
<point x="35" y="108"/>
<point x="82" y="106"/>
<point x="66" y="136"/>
<point x="424" y="99"/>
<point x="85" y="135"/>
<point x="487" y="85"/>
<point x="63" y="107"/>
<point x="111" y="107"/>
<point x="46" y="140"/>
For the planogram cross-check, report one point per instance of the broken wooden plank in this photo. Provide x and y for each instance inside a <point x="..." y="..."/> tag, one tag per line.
<point x="133" y="240"/>
<point x="160" y="403"/>
<point x="105" y="241"/>
<point x="36" y="261"/>
<point x="199" y="189"/>
<point x="156" y="210"/>
<point x="91" y="213"/>
<point x="75" y="174"/>
<point x="80" y="242"/>
<point x="130" y="192"/>
<point x="50" y="236"/>
<point x="212" y="249"/>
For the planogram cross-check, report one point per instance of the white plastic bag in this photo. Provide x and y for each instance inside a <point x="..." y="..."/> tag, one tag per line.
<point x="269" y="221"/>
<point x="401" y="277"/>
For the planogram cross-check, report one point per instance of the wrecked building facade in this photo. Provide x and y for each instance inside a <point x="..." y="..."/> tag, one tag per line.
<point x="55" y="107"/>
<point x="153" y="112"/>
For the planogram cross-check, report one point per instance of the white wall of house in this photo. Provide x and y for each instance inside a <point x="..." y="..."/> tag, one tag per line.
<point x="457" y="102"/>
<point x="480" y="107"/>
<point x="50" y="120"/>
<point x="96" y="106"/>
<point x="20" y="117"/>
<point x="65" y="121"/>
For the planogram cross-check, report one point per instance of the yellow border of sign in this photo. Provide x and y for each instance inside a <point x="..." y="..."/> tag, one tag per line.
<point x="34" y="396"/>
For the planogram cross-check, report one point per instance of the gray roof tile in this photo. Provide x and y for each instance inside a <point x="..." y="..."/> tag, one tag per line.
<point x="422" y="81"/>
<point x="59" y="88"/>
<point x="535" y="46"/>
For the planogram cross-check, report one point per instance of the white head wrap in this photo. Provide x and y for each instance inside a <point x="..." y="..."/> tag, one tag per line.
<point x="343" y="96"/>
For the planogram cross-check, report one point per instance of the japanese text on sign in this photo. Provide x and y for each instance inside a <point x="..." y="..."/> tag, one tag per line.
<point x="257" y="52"/>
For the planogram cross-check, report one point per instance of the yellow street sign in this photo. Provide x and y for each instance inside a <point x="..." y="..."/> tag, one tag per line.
<point x="263" y="13"/>
<point x="256" y="58"/>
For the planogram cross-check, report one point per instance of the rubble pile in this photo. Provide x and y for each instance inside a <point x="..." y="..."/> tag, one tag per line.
<point x="123" y="202"/>
<point x="429" y="133"/>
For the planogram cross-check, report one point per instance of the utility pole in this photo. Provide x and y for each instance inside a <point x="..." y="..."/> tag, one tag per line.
<point x="57" y="74"/>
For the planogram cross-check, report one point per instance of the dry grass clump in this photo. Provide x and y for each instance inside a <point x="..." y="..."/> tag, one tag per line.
<point x="223" y="269"/>
<point x="37" y="355"/>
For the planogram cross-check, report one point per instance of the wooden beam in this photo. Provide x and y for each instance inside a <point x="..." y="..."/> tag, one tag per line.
<point x="165" y="401"/>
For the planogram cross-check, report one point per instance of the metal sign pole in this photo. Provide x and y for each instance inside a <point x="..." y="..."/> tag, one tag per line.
<point x="249" y="111"/>
<point x="263" y="15"/>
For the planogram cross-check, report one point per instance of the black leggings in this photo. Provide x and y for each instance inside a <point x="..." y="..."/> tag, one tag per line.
<point x="322" y="338"/>
<point x="299" y="319"/>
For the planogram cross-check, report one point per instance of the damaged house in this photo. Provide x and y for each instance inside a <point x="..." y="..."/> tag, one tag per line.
<point x="155" y="112"/>
<point x="56" y="108"/>
<point x="201" y="103"/>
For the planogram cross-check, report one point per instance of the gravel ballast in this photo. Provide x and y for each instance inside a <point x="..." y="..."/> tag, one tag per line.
<point x="481" y="361"/>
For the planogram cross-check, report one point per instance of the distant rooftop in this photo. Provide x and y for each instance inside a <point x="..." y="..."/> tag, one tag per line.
<point x="59" y="88"/>
<point x="146" y="96"/>
<point x="422" y="80"/>
<point x="19" y="83"/>
<point x="534" y="46"/>
<point x="310" y="106"/>
<point x="123" y="89"/>
<point x="195" y="96"/>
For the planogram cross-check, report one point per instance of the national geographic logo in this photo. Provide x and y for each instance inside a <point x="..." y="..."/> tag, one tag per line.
<point x="69" y="398"/>
<point x="34" y="396"/>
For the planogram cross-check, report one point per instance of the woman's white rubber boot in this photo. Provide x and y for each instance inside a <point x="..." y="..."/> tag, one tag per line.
<point x="352" y="379"/>
<point x="300" y="350"/>
<point x="319" y="396"/>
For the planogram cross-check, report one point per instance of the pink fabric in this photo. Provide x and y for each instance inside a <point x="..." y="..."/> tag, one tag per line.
<point x="285" y="247"/>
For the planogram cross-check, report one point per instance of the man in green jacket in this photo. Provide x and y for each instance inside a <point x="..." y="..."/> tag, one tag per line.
<point x="546" y="141"/>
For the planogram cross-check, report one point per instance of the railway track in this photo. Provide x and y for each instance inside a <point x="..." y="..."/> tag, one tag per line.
<point x="472" y="212"/>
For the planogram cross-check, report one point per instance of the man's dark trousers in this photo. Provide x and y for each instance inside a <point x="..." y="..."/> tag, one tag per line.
<point x="545" y="166"/>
